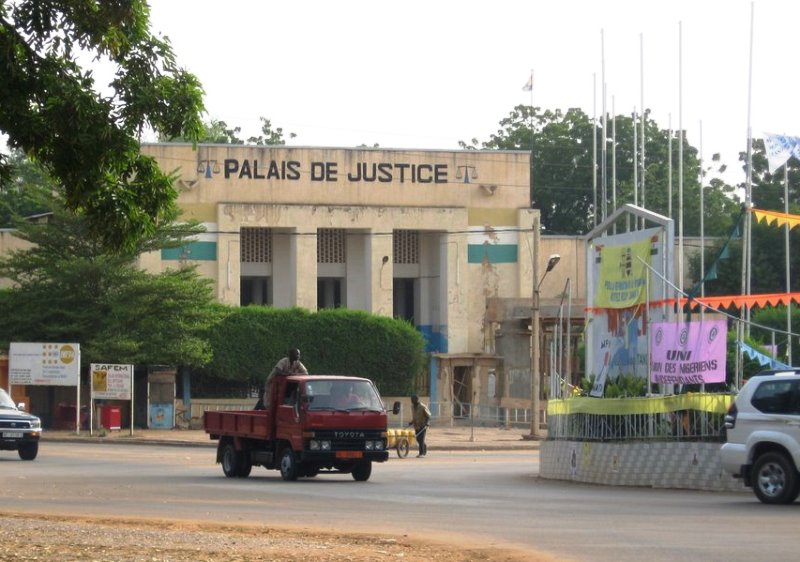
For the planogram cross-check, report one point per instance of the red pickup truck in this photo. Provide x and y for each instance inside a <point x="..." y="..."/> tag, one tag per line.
<point x="312" y="424"/>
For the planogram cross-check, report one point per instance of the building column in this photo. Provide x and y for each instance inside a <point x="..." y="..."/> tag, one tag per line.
<point x="381" y="274"/>
<point x="229" y="269"/>
<point x="305" y="270"/>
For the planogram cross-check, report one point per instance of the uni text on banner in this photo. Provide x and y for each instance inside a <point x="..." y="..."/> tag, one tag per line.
<point x="688" y="352"/>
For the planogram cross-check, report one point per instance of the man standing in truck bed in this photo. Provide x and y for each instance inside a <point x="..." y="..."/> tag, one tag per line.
<point x="289" y="365"/>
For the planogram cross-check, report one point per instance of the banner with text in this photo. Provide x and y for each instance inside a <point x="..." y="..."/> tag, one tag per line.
<point x="623" y="274"/>
<point x="111" y="382"/>
<point x="688" y="352"/>
<point x="56" y="364"/>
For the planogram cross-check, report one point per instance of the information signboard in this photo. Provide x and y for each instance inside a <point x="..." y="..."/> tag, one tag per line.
<point x="111" y="382"/>
<point x="53" y="364"/>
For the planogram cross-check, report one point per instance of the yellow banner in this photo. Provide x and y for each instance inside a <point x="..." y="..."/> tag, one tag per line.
<point x="623" y="275"/>
<point x="779" y="219"/>
<point x="704" y="402"/>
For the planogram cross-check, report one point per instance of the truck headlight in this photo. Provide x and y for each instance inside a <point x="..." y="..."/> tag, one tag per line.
<point x="36" y="423"/>
<point x="319" y="445"/>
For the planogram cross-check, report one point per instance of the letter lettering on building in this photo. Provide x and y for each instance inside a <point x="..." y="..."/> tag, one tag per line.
<point x="231" y="167"/>
<point x="256" y="175"/>
<point x="440" y="172"/>
<point x="293" y="170"/>
<point x="324" y="171"/>
<point x="402" y="168"/>
<point x="384" y="172"/>
<point x="273" y="173"/>
<point x="425" y="173"/>
<point x="244" y="172"/>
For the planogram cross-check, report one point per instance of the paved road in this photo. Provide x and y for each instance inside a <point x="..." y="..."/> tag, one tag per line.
<point x="463" y="496"/>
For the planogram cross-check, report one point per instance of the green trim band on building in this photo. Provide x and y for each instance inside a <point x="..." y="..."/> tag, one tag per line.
<point x="704" y="402"/>
<point x="196" y="251"/>
<point x="492" y="253"/>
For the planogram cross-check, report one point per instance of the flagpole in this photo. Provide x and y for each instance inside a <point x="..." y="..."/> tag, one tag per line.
<point x="702" y="237"/>
<point x="594" y="144"/>
<point x="669" y="168"/>
<point x="749" y="194"/>
<point x="613" y="161"/>
<point x="604" y="148"/>
<point x="744" y="312"/>
<point x="644" y="114"/>
<point x="635" y="164"/>
<point x="788" y="272"/>
<point x="680" y="157"/>
<point x="529" y="87"/>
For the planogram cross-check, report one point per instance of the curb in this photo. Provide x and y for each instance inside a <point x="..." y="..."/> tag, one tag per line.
<point x="522" y="445"/>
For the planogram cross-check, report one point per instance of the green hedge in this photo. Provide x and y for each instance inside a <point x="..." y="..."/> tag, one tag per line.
<point x="248" y="342"/>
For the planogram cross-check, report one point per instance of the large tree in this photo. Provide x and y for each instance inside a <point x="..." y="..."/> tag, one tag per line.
<point x="16" y="197"/>
<point x="71" y="287"/>
<point x="86" y="134"/>
<point x="571" y="200"/>
<point x="217" y="131"/>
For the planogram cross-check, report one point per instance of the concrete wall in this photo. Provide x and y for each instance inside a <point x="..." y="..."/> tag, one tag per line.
<point x="694" y="466"/>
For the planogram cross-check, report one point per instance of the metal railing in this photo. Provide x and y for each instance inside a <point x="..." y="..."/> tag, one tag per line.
<point x="457" y="413"/>
<point x="687" y="425"/>
<point x="688" y="417"/>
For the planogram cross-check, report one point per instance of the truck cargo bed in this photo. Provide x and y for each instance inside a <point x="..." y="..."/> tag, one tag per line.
<point x="244" y="423"/>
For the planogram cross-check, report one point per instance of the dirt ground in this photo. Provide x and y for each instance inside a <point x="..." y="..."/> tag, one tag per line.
<point x="33" y="537"/>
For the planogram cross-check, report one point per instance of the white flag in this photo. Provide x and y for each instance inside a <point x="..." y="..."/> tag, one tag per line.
<point x="779" y="149"/>
<point x="528" y="85"/>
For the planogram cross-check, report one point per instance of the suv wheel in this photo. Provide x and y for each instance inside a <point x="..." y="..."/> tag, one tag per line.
<point x="775" y="479"/>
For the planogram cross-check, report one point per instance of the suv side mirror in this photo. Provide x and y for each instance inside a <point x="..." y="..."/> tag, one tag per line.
<point x="396" y="407"/>
<point x="21" y="406"/>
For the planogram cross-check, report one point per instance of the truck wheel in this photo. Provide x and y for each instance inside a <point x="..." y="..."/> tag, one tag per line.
<point x="775" y="479"/>
<point x="28" y="451"/>
<point x="245" y="464"/>
<point x="231" y="461"/>
<point x="362" y="471"/>
<point x="402" y="448"/>
<point x="288" y="465"/>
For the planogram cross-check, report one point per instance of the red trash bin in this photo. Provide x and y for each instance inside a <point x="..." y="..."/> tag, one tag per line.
<point x="110" y="417"/>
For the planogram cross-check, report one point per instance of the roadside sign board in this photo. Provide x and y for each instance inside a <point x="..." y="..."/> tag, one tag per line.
<point x="54" y="364"/>
<point x="111" y="382"/>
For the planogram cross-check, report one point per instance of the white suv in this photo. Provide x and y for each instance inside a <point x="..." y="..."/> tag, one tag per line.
<point x="763" y="436"/>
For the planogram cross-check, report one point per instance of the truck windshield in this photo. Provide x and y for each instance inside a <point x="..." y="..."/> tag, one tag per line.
<point x="347" y="395"/>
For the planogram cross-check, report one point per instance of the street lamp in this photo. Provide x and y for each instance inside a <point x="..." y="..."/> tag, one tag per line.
<point x="535" y="375"/>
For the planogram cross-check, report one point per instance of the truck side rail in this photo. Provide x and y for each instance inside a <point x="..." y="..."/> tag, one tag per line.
<point x="248" y="424"/>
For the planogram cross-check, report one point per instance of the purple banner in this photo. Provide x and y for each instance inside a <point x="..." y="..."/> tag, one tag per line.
<point x="688" y="352"/>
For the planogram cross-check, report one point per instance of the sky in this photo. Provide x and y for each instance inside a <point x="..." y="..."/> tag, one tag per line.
<point x="426" y="74"/>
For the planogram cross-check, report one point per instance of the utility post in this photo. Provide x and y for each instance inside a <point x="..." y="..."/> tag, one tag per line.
<point x="535" y="324"/>
<point x="535" y="382"/>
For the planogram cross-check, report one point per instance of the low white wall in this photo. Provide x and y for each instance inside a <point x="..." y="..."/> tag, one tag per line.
<point x="693" y="466"/>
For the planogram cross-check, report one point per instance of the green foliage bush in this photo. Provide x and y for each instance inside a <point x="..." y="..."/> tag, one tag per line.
<point x="248" y="341"/>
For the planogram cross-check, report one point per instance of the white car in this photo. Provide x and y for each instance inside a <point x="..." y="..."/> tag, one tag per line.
<point x="763" y="436"/>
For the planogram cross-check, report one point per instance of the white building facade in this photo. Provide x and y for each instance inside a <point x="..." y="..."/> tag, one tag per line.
<point x="424" y="235"/>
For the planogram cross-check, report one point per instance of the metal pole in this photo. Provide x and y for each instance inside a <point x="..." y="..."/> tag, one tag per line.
<point x="535" y="383"/>
<point x="788" y="272"/>
<point x="644" y="115"/>
<point x="594" y="145"/>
